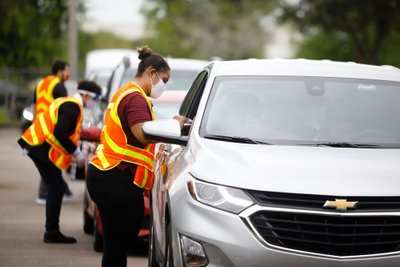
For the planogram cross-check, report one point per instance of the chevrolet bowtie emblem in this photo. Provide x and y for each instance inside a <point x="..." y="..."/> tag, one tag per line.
<point x="340" y="204"/>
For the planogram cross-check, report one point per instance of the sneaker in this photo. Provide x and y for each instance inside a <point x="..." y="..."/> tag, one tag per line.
<point x="41" y="201"/>
<point x="70" y="196"/>
<point x="58" y="237"/>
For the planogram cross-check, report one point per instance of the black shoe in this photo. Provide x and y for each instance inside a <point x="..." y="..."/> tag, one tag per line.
<point x="58" y="237"/>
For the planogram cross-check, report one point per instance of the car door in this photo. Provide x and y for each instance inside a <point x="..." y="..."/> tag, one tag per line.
<point x="165" y="159"/>
<point x="169" y="152"/>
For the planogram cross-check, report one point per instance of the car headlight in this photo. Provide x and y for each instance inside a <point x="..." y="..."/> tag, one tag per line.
<point x="27" y="115"/>
<point x="221" y="197"/>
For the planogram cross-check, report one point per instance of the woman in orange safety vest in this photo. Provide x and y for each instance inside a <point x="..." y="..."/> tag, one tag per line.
<point x="123" y="163"/>
<point x="51" y="142"/>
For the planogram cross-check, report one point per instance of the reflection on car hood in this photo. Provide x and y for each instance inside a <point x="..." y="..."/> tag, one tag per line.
<point x="309" y="170"/>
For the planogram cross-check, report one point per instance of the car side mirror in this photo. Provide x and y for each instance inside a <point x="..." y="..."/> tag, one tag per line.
<point x="164" y="130"/>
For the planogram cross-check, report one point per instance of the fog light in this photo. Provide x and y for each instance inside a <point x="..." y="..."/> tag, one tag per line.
<point x="193" y="253"/>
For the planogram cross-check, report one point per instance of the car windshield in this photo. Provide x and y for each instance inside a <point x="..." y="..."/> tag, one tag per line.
<point x="180" y="79"/>
<point x="307" y="110"/>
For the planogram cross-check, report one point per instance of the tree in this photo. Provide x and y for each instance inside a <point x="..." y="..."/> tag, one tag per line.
<point x="357" y="30"/>
<point x="230" y="29"/>
<point x="32" y="33"/>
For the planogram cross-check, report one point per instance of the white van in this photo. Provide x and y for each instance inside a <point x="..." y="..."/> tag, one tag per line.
<point x="100" y="64"/>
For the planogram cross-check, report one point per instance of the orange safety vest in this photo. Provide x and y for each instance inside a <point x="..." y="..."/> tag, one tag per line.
<point x="114" y="148"/>
<point x="42" y="129"/>
<point x="44" y="93"/>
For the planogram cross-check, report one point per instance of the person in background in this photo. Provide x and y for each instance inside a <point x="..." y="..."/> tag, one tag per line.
<point x="122" y="167"/>
<point x="49" y="88"/>
<point x="51" y="142"/>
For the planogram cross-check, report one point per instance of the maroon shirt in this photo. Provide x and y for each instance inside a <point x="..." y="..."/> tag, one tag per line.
<point x="132" y="109"/>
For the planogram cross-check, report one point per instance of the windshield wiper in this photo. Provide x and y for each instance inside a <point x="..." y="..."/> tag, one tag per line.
<point x="345" y="144"/>
<point x="236" y="139"/>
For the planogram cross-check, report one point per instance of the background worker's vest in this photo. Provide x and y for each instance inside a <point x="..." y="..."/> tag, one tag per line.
<point x="44" y="93"/>
<point x="114" y="148"/>
<point x="42" y="130"/>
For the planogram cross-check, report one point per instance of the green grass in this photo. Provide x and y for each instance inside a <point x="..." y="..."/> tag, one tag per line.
<point x="3" y="115"/>
<point x="5" y="119"/>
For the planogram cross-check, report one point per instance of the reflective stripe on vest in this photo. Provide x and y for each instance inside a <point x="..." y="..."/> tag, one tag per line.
<point x="114" y="147"/>
<point x="44" y="93"/>
<point x="42" y="129"/>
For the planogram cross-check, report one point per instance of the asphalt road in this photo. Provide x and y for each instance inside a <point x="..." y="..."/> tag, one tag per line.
<point x="22" y="219"/>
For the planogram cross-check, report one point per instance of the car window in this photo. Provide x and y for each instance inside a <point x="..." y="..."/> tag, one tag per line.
<point x="181" y="79"/>
<point x="192" y="99"/>
<point x="302" y="110"/>
<point x="165" y="110"/>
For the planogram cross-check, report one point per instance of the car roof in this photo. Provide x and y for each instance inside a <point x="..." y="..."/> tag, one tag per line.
<point x="186" y="63"/>
<point x="106" y="59"/>
<point x="174" y="63"/>
<point x="304" y="67"/>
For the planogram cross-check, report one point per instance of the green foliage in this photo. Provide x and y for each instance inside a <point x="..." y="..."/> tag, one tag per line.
<point x="390" y="54"/>
<point x="31" y="32"/>
<point x="335" y="47"/>
<point x="357" y="30"/>
<point x="325" y="46"/>
<point x="3" y="115"/>
<point x="108" y="40"/>
<point x="229" y="29"/>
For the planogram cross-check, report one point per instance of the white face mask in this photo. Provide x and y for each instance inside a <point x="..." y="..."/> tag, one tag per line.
<point x="91" y="104"/>
<point x="157" y="89"/>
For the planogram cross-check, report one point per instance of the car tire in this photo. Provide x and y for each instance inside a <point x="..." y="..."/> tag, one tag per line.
<point x="98" y="237"/>
<point x="169" y="255"/>
<point x="152" y="259"/>
<point x="80" y="173"/>
<point x="88" y="221"/>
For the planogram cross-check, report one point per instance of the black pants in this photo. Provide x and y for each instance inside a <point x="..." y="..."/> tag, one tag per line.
<point x="121" y="206"/>
<point x="52" y="176"/>
<point x="42" y="191"/>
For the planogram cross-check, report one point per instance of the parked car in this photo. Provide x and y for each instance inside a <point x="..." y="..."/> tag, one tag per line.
<point x="100" y="64"/>
<point x="27" y="117"/>
<point x="286" y="163"/>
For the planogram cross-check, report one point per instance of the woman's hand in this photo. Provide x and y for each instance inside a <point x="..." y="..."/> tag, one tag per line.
<point x="182" y="120"/>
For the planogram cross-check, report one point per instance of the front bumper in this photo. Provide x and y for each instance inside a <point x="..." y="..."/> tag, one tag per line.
<point x="229" y="240"/>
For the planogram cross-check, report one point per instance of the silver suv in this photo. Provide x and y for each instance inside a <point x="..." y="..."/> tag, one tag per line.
<point x="285" y="163"/>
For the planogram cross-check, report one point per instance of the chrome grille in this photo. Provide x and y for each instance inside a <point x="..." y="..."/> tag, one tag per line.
<point x="327" y="234"/>
<point x="316" y="202"/>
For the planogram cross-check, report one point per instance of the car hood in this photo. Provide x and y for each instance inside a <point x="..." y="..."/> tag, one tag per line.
<point x="299" y="169"/>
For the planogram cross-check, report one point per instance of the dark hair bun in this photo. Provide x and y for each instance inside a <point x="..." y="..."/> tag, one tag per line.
<point x="144" y="51"/>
